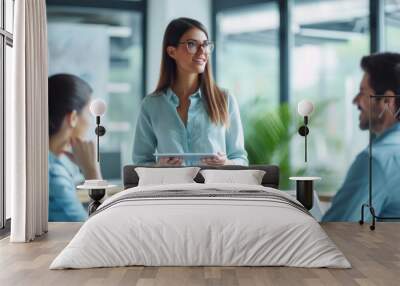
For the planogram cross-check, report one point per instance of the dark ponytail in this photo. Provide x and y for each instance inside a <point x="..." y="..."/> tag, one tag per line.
<point x="66" y="94"/>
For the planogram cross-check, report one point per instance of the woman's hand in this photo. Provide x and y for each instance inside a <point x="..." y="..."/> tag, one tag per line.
<point x="84" y="155"/>
<point x="170" y="161"/>
<point x="218" y="160"/>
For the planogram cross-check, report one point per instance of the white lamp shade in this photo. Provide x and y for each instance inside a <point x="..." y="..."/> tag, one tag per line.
<point x="98" y="107"/>
<point x="305" y="107"/>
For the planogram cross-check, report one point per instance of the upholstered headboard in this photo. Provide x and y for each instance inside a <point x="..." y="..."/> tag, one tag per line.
<point x="270" y="179"/>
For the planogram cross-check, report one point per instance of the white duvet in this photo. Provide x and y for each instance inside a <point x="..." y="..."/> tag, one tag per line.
<point x="200" y="231"/>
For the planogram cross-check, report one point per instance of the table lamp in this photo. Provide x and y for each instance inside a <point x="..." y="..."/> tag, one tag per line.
<point x="98" y="107"/>
<point x="304" y="185"/>
<point x="305" y="108"/>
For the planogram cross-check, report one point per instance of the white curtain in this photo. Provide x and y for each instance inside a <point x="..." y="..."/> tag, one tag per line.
<point x="27" y="124"/>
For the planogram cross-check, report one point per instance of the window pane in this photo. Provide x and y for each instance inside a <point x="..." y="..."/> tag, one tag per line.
<point x="247" y="65"/>
<point x="392" y="25"/>
<point x="330" y="39"/>
<point x="247" y="53"/>
<point x="2" y="110"/>
<point x="8" y="86"/>
<point x="104" y="47"/>
<point x="9" y="9"/>
<point x="1" y="15"/>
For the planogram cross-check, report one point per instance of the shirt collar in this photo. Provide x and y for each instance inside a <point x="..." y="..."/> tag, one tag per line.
<point x="171" y="96"/>
<point x="391" y="135"/>
<point x="61" y="159"/>
<point x="52" y="158"/>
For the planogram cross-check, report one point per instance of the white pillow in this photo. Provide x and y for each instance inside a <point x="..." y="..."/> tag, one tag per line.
<point x="248" y="177"/>
<point x="164" y="176"/>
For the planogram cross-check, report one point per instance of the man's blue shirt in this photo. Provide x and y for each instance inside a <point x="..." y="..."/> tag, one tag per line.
<point x="346" y="205"/>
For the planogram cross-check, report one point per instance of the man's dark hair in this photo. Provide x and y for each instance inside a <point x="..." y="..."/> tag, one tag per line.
<point x="384" y="73"/>
<point x="66" y="94"/>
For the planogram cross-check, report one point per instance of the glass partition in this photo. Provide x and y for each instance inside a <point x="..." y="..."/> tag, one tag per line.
<point x="248" y="53"/>
<point x="6" y="42"/>
<point x="330" y="37"/>
<point x="248" y="66"/>
<point x="9" y="15"/>
<point x="105" y="48"/>
<point x="392" y="25"/>
<point x="383" y="199"/>
<point x="8" y="90"/>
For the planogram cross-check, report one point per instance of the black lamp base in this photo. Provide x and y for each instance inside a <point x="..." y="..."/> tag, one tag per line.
<point x="96" y="195"/>
<point x="304" y="193"/>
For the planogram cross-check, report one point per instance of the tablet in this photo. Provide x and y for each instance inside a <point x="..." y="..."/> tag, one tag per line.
<point x="186" y="156"/>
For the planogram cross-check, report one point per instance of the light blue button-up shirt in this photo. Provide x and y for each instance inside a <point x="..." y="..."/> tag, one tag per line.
<point x="64" y="176"/>
<point x="160" y="129"/>
<point x="346" y="205"/>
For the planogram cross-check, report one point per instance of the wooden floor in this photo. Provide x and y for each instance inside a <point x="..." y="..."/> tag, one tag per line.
<point x="375" y="257"/>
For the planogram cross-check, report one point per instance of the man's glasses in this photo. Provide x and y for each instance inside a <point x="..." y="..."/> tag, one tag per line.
<point x="193" y="46"/>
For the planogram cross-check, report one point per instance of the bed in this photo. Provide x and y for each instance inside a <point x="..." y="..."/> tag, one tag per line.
<point x="201" y="224"/>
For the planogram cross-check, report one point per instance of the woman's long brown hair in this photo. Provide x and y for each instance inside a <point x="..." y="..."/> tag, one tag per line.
<point x="216" y="99"/>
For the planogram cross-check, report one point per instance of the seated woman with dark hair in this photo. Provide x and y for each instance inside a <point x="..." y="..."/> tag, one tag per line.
<point x="69" y="117"/>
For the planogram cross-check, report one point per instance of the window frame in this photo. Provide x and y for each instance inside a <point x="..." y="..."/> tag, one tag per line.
<point x="286" y="37"/>
<point x="285" y="44"/>
<point x="137" y="6"/>
<point x="376" y="18"/>
<point x="6" y="39"/>
<point x="377" y="25"/>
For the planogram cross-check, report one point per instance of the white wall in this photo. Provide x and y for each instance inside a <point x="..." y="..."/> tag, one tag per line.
<point x="160" y="13"/>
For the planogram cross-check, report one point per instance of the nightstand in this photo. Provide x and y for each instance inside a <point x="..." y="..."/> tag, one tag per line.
<point x="304" y="190"/>
<point x="96" y="193"/>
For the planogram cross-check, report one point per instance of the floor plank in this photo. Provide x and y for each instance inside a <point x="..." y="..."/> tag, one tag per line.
<point x="374" y="255"/>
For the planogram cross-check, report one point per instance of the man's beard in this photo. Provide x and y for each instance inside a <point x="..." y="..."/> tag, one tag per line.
<point x="364" y="124"/>
<point x="375" y="121"/>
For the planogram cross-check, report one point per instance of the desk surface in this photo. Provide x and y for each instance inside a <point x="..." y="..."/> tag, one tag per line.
<point x="374" y="255"/>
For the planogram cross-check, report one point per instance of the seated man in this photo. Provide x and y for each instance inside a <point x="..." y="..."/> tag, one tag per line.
<point x="381" y="77"/>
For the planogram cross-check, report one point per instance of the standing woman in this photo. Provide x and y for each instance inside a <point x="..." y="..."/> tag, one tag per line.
<point x="188" y="112"/>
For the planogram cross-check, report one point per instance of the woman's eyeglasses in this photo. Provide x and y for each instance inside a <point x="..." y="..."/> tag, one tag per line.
<point x="193" y="46"/>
